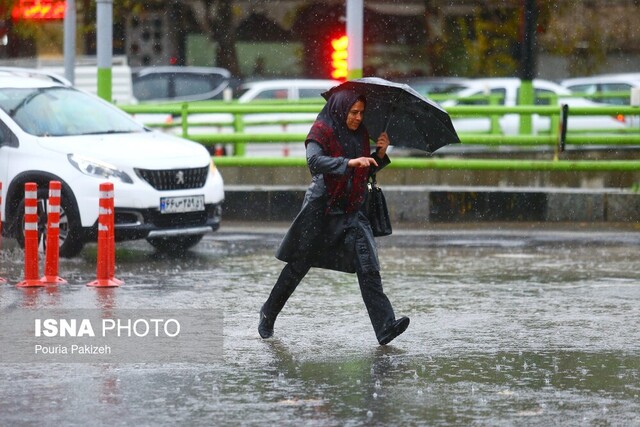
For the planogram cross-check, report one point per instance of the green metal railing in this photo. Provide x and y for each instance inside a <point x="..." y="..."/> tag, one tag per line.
<point x="233" y="119"/>
<point x="455" y="164"/>
<point x="611" y="97"/>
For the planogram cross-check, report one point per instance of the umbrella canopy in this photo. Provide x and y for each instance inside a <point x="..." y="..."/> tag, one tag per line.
<point x="410" y="119"/>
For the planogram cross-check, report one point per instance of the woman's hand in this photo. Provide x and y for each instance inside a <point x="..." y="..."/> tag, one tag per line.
<point x="362" y="162"/>
<point x="381" y="145"/>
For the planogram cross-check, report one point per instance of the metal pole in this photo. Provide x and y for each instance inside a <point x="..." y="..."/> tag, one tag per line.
<point x="70" y="41"/>
<point x="528" y="53"/>
<point x="355" y="22"/>
<point x="528" y="61"/>
<point x="105" y="47"/>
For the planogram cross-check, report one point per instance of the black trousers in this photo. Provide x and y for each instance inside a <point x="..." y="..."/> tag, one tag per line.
<point x="378" y="305"/>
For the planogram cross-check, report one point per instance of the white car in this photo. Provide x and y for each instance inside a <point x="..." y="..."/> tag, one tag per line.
<point x="285" y="89"/>
<point x="167" y="189"/>
<point x="594" y="85"/>
<point x="507" y="90"/>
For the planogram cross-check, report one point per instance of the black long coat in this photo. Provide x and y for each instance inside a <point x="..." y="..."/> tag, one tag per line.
<point x="334" y="240"/>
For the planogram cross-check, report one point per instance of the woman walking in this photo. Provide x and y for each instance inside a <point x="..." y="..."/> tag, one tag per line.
<point x="331" y="231"/>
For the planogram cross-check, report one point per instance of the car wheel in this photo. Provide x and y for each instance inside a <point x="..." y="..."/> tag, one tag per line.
<point x="178" y="244"/>
<point x="70" y="239"/>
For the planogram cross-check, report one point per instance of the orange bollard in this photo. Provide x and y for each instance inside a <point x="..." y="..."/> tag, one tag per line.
<point x="31" y="276"/>
<point x="2" y="280"/>
<point x="106" y="240"/>
<point x="112" y="240"/>
<point x="52" y="255"/>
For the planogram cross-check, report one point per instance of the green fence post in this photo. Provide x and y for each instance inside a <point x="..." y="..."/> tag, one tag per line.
<point x="184" y="115"/>
<point x="104" y="84"/>
<point x="239" y="148"/>
<point x="526" y="98"/>
<point x="554" y="125"/>
<point x="495" y="118"/>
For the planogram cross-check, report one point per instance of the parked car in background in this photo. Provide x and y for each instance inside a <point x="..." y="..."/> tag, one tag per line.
<point x="285" y="89"/>
<point x="167" y="189"/>
<point x="507" y="91"/>
<point x="180" y="84"/>
<point x="166" y="84"/>
<point x="599" y="84"/>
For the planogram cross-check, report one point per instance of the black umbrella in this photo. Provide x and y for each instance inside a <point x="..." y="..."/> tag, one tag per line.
<point x="410" y="119"/>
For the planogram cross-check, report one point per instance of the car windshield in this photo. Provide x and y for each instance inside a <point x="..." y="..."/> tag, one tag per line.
<point x="62" y="111"/>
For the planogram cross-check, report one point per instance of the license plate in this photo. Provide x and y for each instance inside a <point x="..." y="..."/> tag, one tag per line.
<point x="181" y="204"/>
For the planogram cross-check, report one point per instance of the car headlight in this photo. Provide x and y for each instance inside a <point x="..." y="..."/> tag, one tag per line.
<point x="98" y="169"/>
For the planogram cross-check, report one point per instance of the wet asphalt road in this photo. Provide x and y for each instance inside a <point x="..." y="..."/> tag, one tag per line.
<point x="509" y="326"/>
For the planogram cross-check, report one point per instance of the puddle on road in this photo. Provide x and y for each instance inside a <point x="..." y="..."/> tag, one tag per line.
<point x="506" y="334"/>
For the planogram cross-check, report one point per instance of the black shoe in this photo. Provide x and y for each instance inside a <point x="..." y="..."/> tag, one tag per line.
<point x="396" y="328"/>
<point x="265" y="327"/>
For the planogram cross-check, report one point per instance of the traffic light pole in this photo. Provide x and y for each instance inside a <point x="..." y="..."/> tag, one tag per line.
<point x="105" y="47"/>
<point x="70" y="41"/>
<point x="355" y="22"/>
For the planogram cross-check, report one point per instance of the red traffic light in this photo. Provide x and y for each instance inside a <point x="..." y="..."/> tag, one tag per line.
<point x="339" y="69"/>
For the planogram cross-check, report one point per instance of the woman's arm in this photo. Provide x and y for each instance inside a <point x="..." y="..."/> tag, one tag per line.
<point x="320" y="163"/>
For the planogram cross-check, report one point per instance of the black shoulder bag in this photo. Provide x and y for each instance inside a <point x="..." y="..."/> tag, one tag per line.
<point x="376" y="209"/>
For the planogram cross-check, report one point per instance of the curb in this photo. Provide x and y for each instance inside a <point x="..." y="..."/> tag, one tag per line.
<point x="452" y="204"/>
